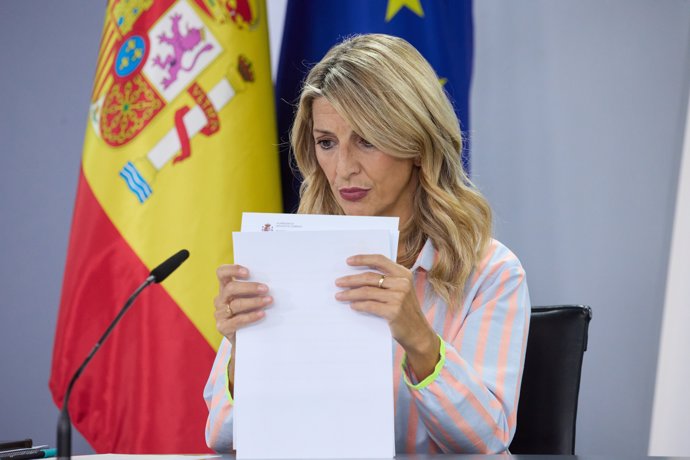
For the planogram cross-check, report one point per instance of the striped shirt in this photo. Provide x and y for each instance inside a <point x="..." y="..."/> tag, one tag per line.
<point x="469" y="403"/>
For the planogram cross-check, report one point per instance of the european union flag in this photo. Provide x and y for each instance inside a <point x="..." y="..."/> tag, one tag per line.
<point x="440" y="29"/>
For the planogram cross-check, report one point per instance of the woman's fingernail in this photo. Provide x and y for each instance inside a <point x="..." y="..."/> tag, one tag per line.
<point x="267" y="299"/>
<point x="262" y="288"/>
<point x="338" y="295"/>
<point x="350" y="260"/>
<point x="244" y="271"/>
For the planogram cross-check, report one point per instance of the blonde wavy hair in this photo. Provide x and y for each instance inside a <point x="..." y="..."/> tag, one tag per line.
<point x="385" y="89"/>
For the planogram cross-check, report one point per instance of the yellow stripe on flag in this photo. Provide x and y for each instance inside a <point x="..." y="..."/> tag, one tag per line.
<point x="160" y="205"/>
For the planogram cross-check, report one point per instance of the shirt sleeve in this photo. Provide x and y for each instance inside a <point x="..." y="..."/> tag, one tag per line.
<point x="469" y="403"/>
<point x="219" y="402"/>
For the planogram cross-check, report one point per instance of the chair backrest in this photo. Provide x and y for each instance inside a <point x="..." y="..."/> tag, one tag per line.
<point x="547" y="410"/>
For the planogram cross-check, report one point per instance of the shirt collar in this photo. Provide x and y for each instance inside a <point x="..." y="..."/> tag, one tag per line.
<point x="425" y="259"/>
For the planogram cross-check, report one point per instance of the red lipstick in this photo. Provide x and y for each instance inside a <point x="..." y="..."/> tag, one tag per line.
<point x="353" y="193"/>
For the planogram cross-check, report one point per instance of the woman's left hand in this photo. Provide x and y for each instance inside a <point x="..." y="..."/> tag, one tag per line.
<point x="392" y="296"/>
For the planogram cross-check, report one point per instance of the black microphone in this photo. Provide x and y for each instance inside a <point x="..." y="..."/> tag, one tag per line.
<point x="64" y="428"/>
<point x="166" y="268"/>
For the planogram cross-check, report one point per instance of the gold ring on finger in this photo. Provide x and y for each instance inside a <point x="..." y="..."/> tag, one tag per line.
<point x="229" y="310"/>
<point x="381" y="280"/>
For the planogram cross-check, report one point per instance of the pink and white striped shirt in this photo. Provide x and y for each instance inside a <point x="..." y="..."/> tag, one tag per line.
<point x="469" y="403"/>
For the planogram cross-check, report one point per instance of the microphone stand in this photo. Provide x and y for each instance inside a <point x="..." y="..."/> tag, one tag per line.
<point x="64" y="429"/>
<point x="157" y="275"/>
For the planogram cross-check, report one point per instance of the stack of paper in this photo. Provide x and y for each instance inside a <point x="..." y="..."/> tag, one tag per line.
<point x="313" y="379"/>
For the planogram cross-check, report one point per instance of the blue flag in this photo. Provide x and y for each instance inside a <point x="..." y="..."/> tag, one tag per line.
<point x="440" y="29"/>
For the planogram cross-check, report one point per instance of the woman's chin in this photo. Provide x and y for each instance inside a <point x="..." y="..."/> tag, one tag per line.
<point x="351" y="209"/>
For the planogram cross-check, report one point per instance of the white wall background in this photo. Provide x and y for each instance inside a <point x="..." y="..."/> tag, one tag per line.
<point x="578" y="110"/>
<point x="671" y="399"/>
<point x="578" y="113"/>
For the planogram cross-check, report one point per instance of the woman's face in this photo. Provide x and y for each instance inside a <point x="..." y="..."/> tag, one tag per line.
<point x="364" y="180"/>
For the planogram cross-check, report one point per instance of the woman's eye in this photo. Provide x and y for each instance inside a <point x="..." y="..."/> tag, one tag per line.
<point x="325" y="144"/>
<point x="366" y="144"/>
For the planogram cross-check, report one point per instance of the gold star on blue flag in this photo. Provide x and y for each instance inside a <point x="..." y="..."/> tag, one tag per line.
<point x="396" y="5"/>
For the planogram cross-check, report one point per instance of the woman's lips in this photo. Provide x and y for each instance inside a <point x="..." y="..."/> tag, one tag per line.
<point x="353" y="193"/>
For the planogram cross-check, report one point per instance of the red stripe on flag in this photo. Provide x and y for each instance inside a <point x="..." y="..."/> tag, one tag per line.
<point x="142" y="393"/>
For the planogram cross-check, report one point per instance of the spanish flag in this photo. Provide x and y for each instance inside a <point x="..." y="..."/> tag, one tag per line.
<point x="180" y="140"/>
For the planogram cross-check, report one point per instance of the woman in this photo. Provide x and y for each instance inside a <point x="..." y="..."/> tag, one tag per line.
<point x="375" y="134"/>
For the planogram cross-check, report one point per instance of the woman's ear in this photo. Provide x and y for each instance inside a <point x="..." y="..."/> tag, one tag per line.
<point x="417" y="161"/>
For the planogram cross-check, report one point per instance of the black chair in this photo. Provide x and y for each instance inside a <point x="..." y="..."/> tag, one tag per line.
<point x="547" y="410"/>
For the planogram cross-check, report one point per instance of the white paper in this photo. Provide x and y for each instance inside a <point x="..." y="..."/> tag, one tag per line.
<point x="313" y="379"/>
<point x="266" y="222"/>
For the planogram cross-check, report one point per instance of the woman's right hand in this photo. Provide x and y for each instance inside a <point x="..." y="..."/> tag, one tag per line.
<point x="239" y="303"/>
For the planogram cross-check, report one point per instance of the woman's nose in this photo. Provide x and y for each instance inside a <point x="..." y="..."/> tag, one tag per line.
<point x="347" y="163"/>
